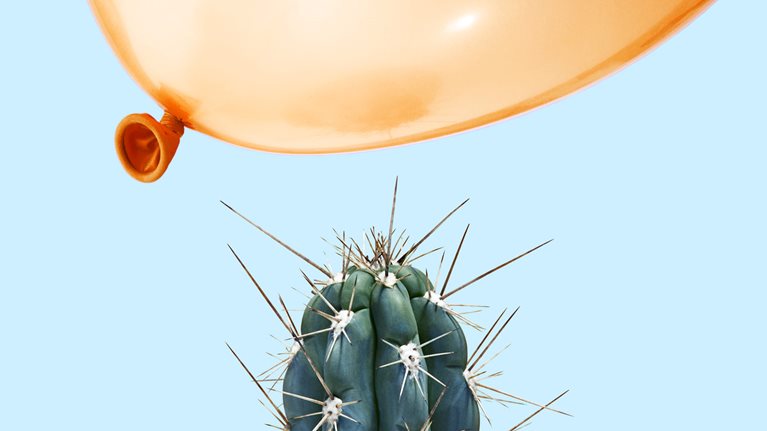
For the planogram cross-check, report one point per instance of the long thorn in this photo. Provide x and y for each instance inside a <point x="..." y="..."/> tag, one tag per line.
<point x="482" y="407"/>
<point x="277" y="409"/>
<point x="497" y="354"/>
<point x="455" y="258"/>
<point x="439" y="270"/>
<point x="354" y="291"/>
<point x="467" y="284"/>
<point x="487" y="334"/>
<point x="289" y="248"/>
<point x="287" y="313"/>
<point x="328" y="317"/>
<point x="316" y="372"/>
<point x="399" y="246"/>
<point x="308" y="359"/>
<point x="268" y="301"/>
<point x="317" y="292"/>
<point x="433" y="410"/>
<point x="522" y="399"/>
<point x="517" y="426"/>
<point x="279" y="419"/>
<point x="493" y="339"/>
<point x="425" y="237"/>
<point x="420" y="256"/>
<point x="313" y="333"/>
<point x="391" y="222"/>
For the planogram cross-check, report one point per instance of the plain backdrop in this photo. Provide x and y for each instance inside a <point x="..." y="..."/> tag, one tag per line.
<point x="116" y="298"/>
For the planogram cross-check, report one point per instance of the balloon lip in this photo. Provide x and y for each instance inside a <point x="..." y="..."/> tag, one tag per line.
<point x="642" y="45"/>
<point x="154" y="153"/>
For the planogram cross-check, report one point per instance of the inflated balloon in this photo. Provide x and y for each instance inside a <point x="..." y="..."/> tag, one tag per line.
<point x="319" y="76"/>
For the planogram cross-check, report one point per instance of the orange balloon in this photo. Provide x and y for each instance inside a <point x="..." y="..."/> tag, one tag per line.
<point x="319" y="76"/>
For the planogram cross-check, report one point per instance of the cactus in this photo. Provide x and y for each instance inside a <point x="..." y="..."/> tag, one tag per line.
<point x="380" y="349"/>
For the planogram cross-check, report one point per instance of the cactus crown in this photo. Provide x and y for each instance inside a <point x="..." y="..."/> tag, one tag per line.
<point x="379" y="348"/>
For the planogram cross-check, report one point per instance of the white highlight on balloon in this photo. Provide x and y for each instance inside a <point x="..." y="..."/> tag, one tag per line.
<point x="463" y="22"/>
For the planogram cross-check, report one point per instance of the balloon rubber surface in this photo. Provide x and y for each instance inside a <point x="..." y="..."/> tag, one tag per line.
<point x="317" y="76"/>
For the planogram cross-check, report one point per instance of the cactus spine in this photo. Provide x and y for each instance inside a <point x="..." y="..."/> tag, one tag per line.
<point x="380" y="349"/>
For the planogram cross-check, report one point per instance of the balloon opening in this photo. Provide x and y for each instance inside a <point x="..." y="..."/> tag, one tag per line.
<point x="144" y="153"/>
<point x="145" y="146"/>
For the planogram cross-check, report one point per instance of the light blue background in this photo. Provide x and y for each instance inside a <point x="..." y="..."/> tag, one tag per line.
<point x="117" y="297"/>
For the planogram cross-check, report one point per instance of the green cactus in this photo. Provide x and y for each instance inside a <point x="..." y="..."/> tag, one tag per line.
<point x="379" y="348"/>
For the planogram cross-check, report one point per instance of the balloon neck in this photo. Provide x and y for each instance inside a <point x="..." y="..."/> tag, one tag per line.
<point x="172" y="123"/>
<point x="145" y="146"/>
